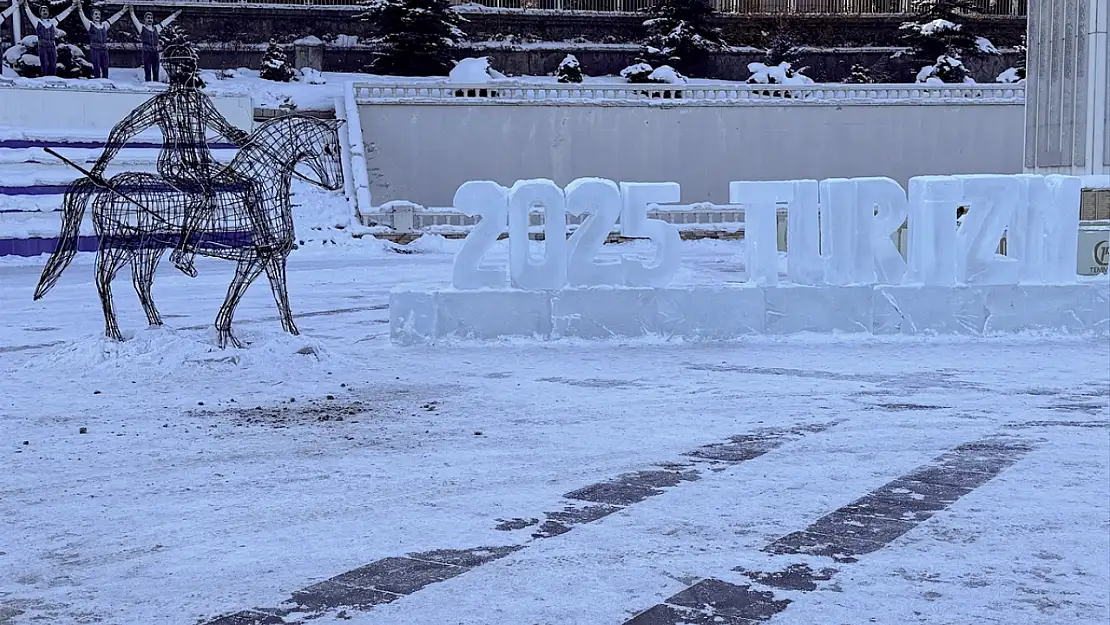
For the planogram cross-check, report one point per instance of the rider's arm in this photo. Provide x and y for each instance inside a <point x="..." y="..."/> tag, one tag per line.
<point x="214" y="118"/>
<point x="169" y="20"/>
<point x="136" y="22"/>
<point x="9" y="11"/>
<point x="84" y="20"/>
<point x="139" y="120"/>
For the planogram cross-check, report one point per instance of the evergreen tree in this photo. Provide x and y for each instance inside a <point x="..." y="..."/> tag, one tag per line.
<point x="1017" y="72"/>
<point x="414" y="37"/>
<point x="939" y="38"/>
<point x="570" y="70"/>
<point x="275" y="64"/>
<point x="680" y="33"/>
<point x="860" y="75"/>
<point x="175" y="35"/>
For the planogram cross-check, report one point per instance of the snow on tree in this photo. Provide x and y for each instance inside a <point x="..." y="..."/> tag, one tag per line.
<point x="275" y="64"/>
<point x="860" y="75"/>
<point x="23" y="58"/>
<point x="680" y="33"/>
<point x="414" y="37"/>
<point x="781" y="74"/>
<point x="939" y="39"/>
<point x="569" y="70"/>
<point x="1017" y="72"/>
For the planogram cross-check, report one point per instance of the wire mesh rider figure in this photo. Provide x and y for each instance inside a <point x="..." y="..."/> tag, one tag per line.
<point x="184" y="115"/>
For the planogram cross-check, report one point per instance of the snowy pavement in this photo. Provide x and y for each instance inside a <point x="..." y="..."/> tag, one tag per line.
<point x="609" y="479"/>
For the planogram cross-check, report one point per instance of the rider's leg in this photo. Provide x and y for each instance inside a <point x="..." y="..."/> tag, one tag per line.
<point x="196" y="213"/>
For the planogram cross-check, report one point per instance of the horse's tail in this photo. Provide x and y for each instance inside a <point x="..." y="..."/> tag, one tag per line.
<point x="74" y="202"/>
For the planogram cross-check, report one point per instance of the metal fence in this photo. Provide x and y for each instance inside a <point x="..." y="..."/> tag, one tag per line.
<point x="733" y="7"/>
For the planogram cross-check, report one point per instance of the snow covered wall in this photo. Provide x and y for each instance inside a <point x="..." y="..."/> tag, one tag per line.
<point x="698" y="144"/>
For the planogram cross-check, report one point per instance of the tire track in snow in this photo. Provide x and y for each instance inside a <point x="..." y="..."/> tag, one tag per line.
<point x="861" y="527"/>
<point x="390" y="579"/>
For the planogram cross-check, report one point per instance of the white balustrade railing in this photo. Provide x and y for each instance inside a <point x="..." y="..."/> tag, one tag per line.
<point x="735" y="7"/>
<point x="511" y="92"/>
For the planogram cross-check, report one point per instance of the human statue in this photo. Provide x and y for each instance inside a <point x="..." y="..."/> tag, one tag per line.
<point x="98" y="37"/>
<point x="46" y="28"/>
<point x="184" y="114"/>
<point x="8" y="12"/>
<point x="149" y="33"/>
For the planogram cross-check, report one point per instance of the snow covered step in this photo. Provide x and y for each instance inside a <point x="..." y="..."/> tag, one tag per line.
<point x="727" y="312"/>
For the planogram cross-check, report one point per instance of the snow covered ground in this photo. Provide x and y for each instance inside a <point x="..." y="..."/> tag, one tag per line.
<point x="209" y="482"/>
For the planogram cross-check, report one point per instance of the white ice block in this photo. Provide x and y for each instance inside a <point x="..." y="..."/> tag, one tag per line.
<point x="919" y="309"/>
<point x="411" y="317"/>
<point x="604" y="312"/>
<point x="1082" y="307"/>
<point x="493" y="314"/>
<point x="711" y="313"/>
<point x="792" y="309"/>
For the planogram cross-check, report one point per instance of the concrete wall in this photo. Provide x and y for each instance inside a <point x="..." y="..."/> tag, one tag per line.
<point x="423" y="152"/>
<point x="78" y="109"/>
<point x="1068" y="113"/>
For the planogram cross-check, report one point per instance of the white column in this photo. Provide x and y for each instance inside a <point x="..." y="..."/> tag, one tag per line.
<point x="1067" y="112"/>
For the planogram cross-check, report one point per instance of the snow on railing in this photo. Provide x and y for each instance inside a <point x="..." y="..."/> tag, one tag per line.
<point x="511" y="91"/>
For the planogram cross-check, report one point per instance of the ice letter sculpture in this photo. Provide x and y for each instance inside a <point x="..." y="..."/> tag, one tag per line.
<point x="551" y="273"/>
<point x="638" y="196"/>
<point x="601" y="200"/>
<point x="491" y="201"/>
<point x="760" y="200"/>
<point x="890" y="210"/>
<point x="932" y="229"/>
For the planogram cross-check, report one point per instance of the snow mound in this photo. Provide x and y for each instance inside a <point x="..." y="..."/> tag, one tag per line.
<point x="666" y="74"/>
<point x="474" y="71"/>
<point x="781" y="74"/>
<point x="166" y="347"/>
<point x="312" y="76"/>
<point x="1010" y="76"/>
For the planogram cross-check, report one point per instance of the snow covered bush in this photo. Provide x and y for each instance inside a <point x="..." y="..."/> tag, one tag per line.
<point x="947" y="69"/>
<point x="23" y="58"/>
<point x="860" y="75"/>
<point x="680" y="33"/>
<point x="311" y="76"/>
<point x="638" y="73"/>
<point x="569" y="70"/>
<point x="781" y="74"/>
<point x="275" y="64"/>
<point x="1017" y="72"/>
<point x="474" y="71"/>
<point x="414" y="37"/>
<point x="938" y="40"/>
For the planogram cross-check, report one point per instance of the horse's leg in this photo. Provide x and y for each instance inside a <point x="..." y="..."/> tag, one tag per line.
<point x="275" y="271"/>
<point x="108" y="262"/>
<point x="144" y="264"/>
<point x="245" y="273"/>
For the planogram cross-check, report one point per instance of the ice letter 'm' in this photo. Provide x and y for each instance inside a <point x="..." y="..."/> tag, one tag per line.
<point x="491" y="201"/>
<point x="932" y="229"/>
<point x="990" y="202"/>
<point x="601" y="199"/>
<point x="552" y="272"/>
<point x="890" y="206"/>
<point x="637" y="196"/>
<point x="1061" y="242"/>
<point x="761" y="250"/>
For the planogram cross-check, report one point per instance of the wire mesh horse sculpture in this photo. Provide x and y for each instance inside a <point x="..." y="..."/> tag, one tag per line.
<point x="138" y="216"/>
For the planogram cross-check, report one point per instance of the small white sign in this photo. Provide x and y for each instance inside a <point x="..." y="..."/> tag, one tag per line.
<point x="1094" y="250"/>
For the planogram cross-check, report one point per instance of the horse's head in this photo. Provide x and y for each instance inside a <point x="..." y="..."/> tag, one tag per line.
<point x="320" y="151"/>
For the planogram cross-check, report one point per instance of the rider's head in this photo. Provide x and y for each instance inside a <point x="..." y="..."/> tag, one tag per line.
<point x="44" y="13"/>
<point x="180" y="63"/>
<point x="148" y="17"/>
<point x="96" y="15"/>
